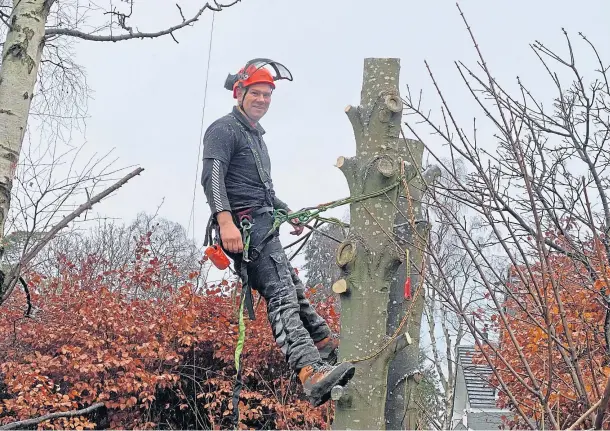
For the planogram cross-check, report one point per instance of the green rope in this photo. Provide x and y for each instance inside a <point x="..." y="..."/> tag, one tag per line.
<point x="245" y="225"/>
<point x="305" y="215"/>
<point x="332" y="220"/>
<point x="241" y="339"/>
<point x="242" y="334"/>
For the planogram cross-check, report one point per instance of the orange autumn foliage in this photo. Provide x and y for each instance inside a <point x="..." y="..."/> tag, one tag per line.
<point x="161" y="358"/>
<point x="557" y="316"/>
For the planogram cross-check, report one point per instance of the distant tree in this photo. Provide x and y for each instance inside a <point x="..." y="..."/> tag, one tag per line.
<point x="428" y="397"/>
<point x="446" y="328"/>
<point x="320" y="262"/>
<point x="115" y="247"/>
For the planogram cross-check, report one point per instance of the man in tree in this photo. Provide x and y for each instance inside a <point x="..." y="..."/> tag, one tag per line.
<point x="238" y="186"/>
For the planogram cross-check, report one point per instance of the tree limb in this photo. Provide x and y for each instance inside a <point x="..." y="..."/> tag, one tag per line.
<point x="68" y="414"/>
<point x="138" y="35"/>
<point x="585" y="415"/>
<point x="11" y="279"/>
<point x="599" y="419"/>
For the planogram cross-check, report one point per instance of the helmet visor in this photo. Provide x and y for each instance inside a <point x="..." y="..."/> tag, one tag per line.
<point x="279" y="70"/>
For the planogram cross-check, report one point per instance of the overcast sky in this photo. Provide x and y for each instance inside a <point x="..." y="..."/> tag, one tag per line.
<point x="148" y="94"/>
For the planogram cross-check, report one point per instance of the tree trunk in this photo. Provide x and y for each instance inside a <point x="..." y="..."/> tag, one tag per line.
<point x="372" y="253"/>
<point x="21" y="57"/>
<point x="411" y="231"/>
<point x="370" y="256"/>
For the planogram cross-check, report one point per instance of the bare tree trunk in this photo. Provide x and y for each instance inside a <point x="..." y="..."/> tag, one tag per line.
<point x="411" y="232"/>
<point x="20" y="61"/>
<point x="370" y="256"/>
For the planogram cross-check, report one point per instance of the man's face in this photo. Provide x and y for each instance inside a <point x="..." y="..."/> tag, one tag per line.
<point x="257" y="100"/>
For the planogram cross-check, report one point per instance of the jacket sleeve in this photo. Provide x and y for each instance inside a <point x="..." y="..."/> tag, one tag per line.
<point x="213" y="181"/>
<point x="218" y="148"/>
<point x="278" y="203"/>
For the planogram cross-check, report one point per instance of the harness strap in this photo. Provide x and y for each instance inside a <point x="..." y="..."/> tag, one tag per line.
<point x="263" y="175"/>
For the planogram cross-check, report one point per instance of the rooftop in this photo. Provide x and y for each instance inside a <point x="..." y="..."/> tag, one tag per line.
<point x="480" y="393"/>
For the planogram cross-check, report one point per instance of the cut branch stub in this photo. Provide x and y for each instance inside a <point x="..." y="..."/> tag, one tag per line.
<point x="385" y="166"/>
<point x="392" y="104"/>
<point x="347" y="165"/>
<point x="380" y="75"/>
<point x="346" y="252"/>
<point x="340" y="286"/>
<point x="353" y="114"/>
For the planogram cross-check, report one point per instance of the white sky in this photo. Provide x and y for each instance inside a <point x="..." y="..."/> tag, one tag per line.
<point x="148" y="94"/>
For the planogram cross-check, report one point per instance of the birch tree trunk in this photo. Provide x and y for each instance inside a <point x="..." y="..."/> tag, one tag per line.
<point x="370" y="256"/>
<point x="21" y="57"/>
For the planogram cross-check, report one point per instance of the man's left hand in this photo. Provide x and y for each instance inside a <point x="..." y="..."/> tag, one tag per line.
<point x="297" y="226"/>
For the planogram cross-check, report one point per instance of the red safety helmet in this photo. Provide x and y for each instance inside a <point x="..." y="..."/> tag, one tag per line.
<point x="255" y="72"/>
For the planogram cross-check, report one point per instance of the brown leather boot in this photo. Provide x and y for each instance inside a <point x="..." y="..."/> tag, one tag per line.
<point x="318" y="380"/>
<point x="329" y="348"/>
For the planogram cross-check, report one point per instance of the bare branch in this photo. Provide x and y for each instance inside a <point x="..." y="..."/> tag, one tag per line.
<point x="136" y="35"/>
<point x="11" y="279"/>
<point x="603" y="405"/>
<point x="584" y="416"/>
<point x="68" y="414"/>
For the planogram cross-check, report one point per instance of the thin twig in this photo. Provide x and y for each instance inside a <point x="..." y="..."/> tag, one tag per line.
<point x="181" y="14"/>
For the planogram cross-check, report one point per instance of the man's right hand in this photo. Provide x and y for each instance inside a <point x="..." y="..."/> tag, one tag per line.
<point x="230" y="235"/>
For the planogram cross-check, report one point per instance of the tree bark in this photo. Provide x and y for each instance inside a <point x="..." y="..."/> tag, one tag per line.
<point x="401" y="411"/>
<point x="370" y="256"/>
<point x="21" y="57"/>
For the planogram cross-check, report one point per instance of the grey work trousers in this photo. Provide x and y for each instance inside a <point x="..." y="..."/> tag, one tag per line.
<point x="295" y="324"/>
